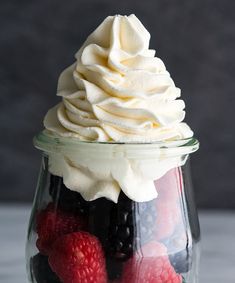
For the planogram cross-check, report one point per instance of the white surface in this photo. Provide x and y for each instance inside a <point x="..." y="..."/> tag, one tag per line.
<point x="218" y="249"/>
<point x="13" y="227"/>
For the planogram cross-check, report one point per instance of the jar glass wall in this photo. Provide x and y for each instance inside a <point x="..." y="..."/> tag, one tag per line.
<point x="154" y="241"/>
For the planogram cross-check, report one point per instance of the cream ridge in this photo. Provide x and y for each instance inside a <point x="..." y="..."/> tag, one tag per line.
<point x="117" y="90"/>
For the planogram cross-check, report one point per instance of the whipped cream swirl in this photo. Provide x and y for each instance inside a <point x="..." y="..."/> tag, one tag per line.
<point x="117" y="90"/>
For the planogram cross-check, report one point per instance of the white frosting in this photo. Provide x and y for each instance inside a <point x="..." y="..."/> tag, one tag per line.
<point x="95" y="176"/>
<point x="117" y="90"/>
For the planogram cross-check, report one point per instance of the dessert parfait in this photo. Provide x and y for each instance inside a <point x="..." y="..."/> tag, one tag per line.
<point x="114" y="202"/>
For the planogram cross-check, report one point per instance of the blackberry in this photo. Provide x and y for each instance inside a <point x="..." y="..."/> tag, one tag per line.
<point x="114" y="269"/>
<point x="182" y="260"/>
<point x="41" y="270"/>
<point x="98" y="222"/>
<point x="66" y="199"/>
<point x="132" y="224"/>
<point x="121" y="229"/>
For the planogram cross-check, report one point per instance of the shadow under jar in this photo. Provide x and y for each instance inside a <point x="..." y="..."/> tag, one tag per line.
<point x="113" y="213"/>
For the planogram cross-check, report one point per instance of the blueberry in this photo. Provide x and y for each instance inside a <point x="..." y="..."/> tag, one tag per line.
<point x="182" y="260"/>
<point x="180" y="250"/>
<point x="146" y="215"/>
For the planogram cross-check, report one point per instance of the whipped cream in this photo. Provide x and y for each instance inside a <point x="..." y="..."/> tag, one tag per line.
<point x="95" y="174"/>
<point x="116" y="91"/>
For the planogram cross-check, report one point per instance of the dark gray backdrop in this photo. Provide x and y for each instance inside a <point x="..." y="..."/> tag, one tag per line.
<point x="195" y="39"/>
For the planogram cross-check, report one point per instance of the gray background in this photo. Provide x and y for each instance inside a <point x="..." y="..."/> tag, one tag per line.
<point x="195" y="39"/>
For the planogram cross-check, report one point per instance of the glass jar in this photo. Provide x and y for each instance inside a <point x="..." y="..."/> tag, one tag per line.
<point x="107" y="212"/>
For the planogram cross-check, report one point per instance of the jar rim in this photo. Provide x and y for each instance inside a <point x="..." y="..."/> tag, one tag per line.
<point x="49" y="142"/>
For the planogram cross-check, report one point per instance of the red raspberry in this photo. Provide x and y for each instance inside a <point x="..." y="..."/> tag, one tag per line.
<point x="52" y="223"/>
<point x="168" y="204"/>
<point x="168" y="217"/>
<point x="78" y="258"/>
<point x="170" y="185"/>
<point x="150" y="265"/>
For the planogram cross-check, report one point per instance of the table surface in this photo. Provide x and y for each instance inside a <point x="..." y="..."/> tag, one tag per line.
<point x="218" y="249"/>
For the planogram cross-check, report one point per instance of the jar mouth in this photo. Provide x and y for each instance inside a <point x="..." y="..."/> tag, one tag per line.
<point x="49" y="142"/>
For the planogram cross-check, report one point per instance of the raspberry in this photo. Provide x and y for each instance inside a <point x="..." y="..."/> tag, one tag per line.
<point x="52" y="223"/>
<point x="169" y="215"/>
<point x="168" y="205"/>
<point x="78" y="258"/>
<point x="170" y="185"/>
<point x="150" y="265"/>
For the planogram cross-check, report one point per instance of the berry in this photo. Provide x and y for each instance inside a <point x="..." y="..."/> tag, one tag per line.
<point x="170" y="185"/>
<point x="66" y="199"/>
<point x="150" y="265"/>
<point x="146" y="215"/>
<point x="168" y="203"/>
<point x="99" y="226"/>
<point x="121" y="236"/>
<point x="114" y="269"/>
<point x="41" y="270"/>
<point x="179" y="249"/>
<point x="99" y="218"/>
<point x="182" y="260"/>
<point x="132" y="224"/>
<point x="168" y="217"/>
<point x="78" y="257"/>
<point x="52" y="223"/>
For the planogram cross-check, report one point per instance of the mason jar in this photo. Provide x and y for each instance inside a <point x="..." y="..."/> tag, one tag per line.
<point x="112" y="212"/>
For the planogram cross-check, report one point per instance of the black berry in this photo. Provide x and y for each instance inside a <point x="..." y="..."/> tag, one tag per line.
<point x="41" y="270"/>
<point x="99" y="219"/>
<point x="114" y="268"/>
<point x="120" y="236"/>
<point x="66" y="199"/>
<point x="131" y="224"/>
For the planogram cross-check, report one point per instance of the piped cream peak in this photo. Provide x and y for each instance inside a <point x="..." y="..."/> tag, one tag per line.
<point x="117" y="90"/>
